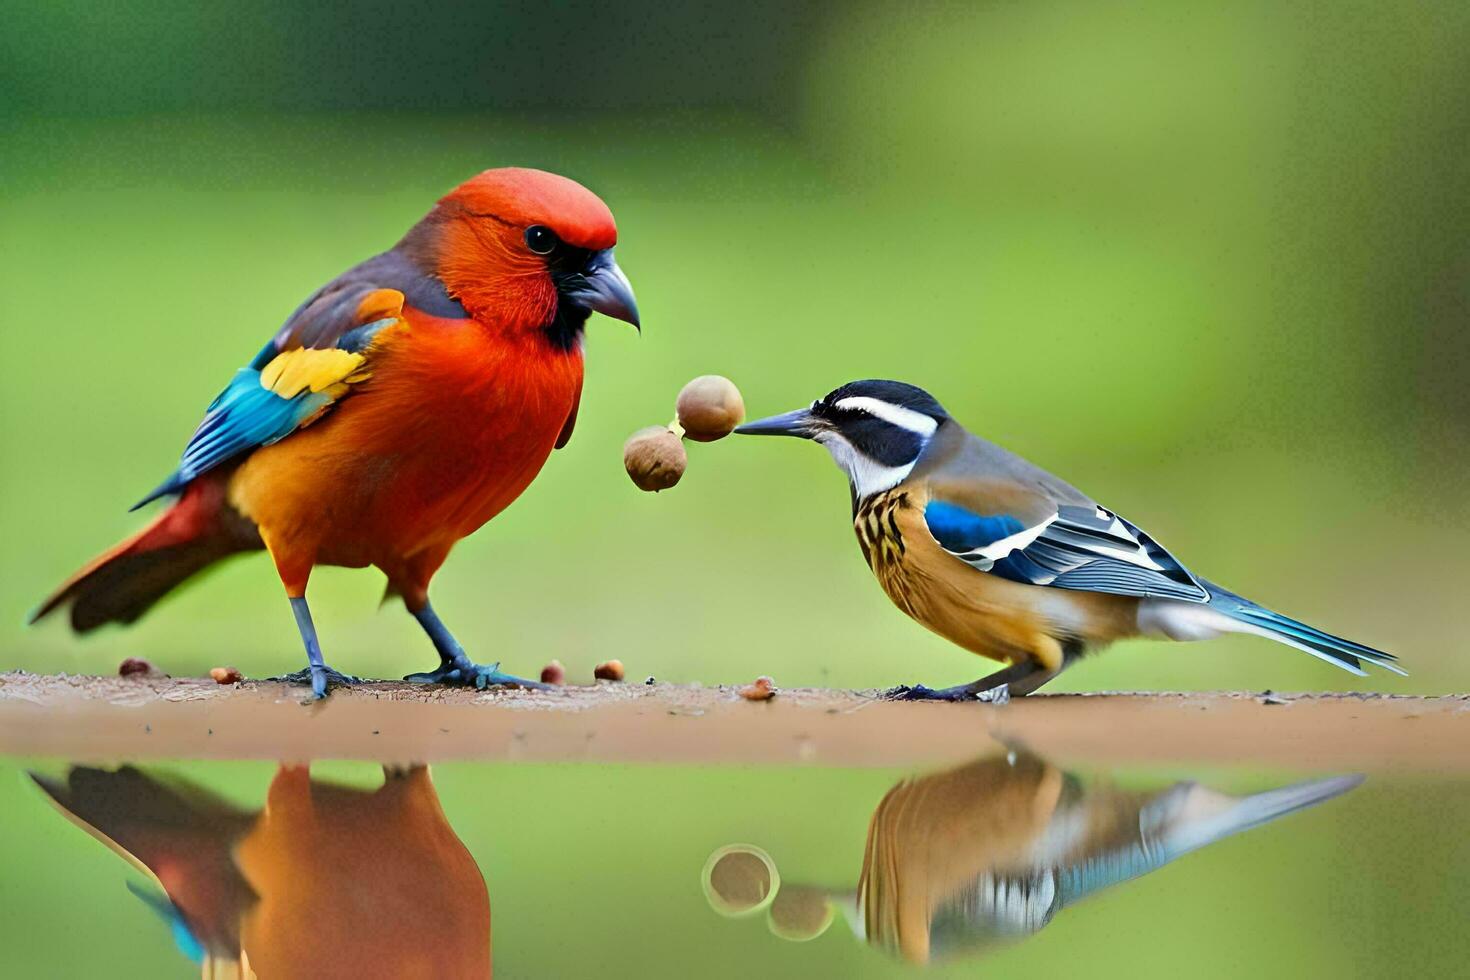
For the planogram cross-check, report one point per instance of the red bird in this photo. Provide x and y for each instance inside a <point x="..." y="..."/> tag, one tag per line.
<point x="323" y="881"/>
<point x="402" y="406"/>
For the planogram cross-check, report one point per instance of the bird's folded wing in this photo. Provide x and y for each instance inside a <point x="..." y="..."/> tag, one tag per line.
<point x="1085" y="548"/>
<point x="335" y="316"/>
<point x="323" y="350"/>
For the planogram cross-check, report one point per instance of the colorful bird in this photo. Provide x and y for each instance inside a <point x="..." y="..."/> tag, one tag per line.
<point x="324" y="881"/>
<point x="961" y="861"/>
<point x="399" y="408"/>
<point x="1004" y="559"/>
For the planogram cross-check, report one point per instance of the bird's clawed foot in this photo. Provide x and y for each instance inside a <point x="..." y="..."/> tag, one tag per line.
<point x="320" y="678"/>
<point x="471" y="674"/>
<point x="1000" y="694"/>
<point x="907" y="692"/>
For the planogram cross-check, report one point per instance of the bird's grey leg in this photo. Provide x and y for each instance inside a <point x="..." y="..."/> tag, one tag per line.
<point x="455" y="666"/>
<point x="1028" y="682"/>
<point x="1019" y="679"/>
<point x="316" y="672"/>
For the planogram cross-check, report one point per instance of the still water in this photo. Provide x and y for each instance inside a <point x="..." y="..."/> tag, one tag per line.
<point x="1007" y="865"/>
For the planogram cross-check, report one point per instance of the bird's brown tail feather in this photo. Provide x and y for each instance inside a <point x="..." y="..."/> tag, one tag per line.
<point x="122" y="583"/>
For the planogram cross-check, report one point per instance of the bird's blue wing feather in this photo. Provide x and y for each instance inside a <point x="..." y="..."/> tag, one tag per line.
<point x="1081" y="548"/>
<point x="183" y="936"/>
<point x="244" y="416"/>
<point x="346" y="315"/>
<point x="960" y="529"/>
<point x="270" y="399"/>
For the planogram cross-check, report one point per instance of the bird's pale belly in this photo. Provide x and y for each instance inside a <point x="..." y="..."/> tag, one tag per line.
<point x="409" y="464"/>
<point x="983" y="613"/>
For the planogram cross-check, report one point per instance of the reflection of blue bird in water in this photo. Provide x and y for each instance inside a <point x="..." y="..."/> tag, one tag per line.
<point x="993" y="851"/>
<point x="325" y="881"/>
<point x="963" y="860"/>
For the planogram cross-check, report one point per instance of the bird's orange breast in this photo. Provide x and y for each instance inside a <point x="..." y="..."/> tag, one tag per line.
<point x="984" y="613"/>
<point x="357" y="884"/>
<point x="455" y="421"/>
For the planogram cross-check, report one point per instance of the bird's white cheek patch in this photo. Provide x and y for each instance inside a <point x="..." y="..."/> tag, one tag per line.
<point x="867" y="477"/>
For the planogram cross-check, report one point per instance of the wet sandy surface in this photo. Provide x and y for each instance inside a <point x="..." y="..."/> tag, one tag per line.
<point x="104" y="719"/>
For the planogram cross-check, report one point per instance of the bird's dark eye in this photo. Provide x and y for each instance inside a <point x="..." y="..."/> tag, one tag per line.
<point x="540" y="239"/>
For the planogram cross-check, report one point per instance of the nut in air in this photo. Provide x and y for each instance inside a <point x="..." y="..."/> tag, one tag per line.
<point x="709" y="408"/>
<point x="654" y="458"/>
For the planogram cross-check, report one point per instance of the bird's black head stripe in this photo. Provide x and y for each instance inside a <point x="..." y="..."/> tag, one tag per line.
<point x="883" y="442"/>
<point x="897" y="393"/>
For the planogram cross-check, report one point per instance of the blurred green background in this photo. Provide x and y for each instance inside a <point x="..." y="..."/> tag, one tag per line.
<point x="1206" y="260"/>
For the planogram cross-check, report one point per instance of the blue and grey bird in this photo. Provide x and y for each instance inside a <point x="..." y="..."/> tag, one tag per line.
<point x="961" y="862"/>
<point x="1004" y="559"/>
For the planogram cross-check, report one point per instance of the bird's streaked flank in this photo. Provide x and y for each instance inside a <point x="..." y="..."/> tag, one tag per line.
<point x="398" y="409"/>
<point x="1006" y="560"/>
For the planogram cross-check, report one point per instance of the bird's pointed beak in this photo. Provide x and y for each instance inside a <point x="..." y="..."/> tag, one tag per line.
<point x="798" y="423"/>
<point x="602" y="287"/>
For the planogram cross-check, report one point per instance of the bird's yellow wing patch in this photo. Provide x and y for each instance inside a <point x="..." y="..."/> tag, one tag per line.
<point x="328" y="371"/>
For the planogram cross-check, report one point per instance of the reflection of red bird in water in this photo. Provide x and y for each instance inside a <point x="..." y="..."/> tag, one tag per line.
<point x="325" y="881"/>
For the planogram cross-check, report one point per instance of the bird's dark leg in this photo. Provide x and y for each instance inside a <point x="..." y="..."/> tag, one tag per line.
<point x="316" y="672"/>
<point x="1018" y="680"/>
<point x="1015" y="681"/>
<point x="455" y="667"/>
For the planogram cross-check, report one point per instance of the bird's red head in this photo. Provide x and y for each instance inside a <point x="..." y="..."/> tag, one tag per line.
<point x="526" y="249"/>
<point x="521" y="198"/>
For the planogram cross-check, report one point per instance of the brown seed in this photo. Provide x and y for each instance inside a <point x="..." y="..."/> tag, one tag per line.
<point x="800" y="913"/>
<point x="709" y="408"/>
<point x="226" y="675"/>
<point x="763" y="689"/>
<point x="554" y="673"/>
<point x="611" y="670"/>
<point x="739" y="880"/>
<point x="136" y="667"/>
<point x="654" y="458"/>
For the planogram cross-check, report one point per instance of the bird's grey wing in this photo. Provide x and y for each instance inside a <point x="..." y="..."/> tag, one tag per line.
<point x="334" y="315"/>
<point x="1002" y="515"/>
<point x="993" y="907"/>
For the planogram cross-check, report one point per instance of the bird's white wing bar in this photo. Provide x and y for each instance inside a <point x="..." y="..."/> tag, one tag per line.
<point x="1088" y="549"/>
<point x="991" y="553"/>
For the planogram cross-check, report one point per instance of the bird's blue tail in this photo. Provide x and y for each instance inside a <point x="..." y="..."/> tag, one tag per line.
<point x="1257" y="619"/>
<point x="1185" y="818"/>
<point x="1199" y="816"/>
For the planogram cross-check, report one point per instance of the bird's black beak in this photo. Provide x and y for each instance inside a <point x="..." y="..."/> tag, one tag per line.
<point x="602" y="287"/>
<point x="799" y="423"/>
